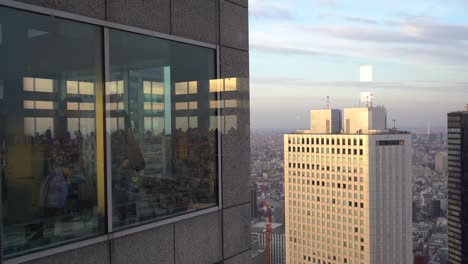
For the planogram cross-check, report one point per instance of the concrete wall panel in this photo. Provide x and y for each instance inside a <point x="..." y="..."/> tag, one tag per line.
<point x="236" y="172"/>
<point x="94" y="254"/>
<point x="90" y="8"/>
<point x="234" y="23"/>
<point x="242" y="258"/>
<point x="198" y="240"/>
<point x="244" y="3"/>
<point x="234" y="63"/>
<point x="147" y="14"/>
<point x="236" y="230"/>
<point x="150" y="246"/>
<point x="195" y="19"/>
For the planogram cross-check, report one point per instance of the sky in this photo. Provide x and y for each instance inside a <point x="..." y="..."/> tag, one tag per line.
<point x="302" y="51"/>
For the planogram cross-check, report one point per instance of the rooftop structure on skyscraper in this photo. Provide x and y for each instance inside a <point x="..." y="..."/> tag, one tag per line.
<point x="363" y="120"/>
<point x="325" y="121"/>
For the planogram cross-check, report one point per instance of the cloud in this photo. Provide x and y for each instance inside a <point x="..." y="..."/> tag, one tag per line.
<point x="324" y="3"/>
<point x="415" y="33"/>
<point x="361" y="20"/>
<point x="270" y="9"/>
<point x="354" y="19"/>
<point x="448" y="55"/>
<point x="423" y="44"/>
<point x="413" y="43"/>
<point x="287" y="50"/>
<point x="414" y="86"/>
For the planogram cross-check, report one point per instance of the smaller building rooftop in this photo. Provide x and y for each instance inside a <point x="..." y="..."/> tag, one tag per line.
<point x="369" y="132"/>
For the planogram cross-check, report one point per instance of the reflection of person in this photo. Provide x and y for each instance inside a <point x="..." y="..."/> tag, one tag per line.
<point x="127" y="160"/>
<point x="54" y="189"/>
<point x="55" y="193"/>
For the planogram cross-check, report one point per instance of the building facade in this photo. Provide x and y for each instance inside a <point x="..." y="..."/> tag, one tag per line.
<point x="124" y="131"/>
<point x="441" y="163"/>
<point x="277" y="247"/>
<point x="457" y="186"/>
<point x="348" y="196"/>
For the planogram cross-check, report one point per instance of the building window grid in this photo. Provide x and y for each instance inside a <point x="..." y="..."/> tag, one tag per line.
<point x="355" y="214"/>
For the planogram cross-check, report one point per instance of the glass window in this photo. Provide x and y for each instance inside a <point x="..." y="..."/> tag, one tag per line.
<point x="162" y="130"/>
<point x="50" y="75"/>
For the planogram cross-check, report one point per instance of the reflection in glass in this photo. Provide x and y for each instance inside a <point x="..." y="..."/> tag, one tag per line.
<point x="47" y="131"/>
<point x="229" y="104"/>
<point x="163" y="150"/>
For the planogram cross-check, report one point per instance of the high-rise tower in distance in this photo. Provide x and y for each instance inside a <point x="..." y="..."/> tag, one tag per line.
<point x="348" y="190"/>
<point x="458" y="186"/>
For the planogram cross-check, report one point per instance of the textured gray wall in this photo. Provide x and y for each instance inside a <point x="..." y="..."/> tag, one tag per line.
<point x="220" y="237"/>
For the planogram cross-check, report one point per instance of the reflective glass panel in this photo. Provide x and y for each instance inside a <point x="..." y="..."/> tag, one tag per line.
<point x="163" y="147"/>
<point x="49" y="73"/>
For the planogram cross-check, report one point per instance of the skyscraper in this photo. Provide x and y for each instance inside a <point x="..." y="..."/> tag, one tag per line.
<point x="458" y="186"/>
<point x="348" y="194"/>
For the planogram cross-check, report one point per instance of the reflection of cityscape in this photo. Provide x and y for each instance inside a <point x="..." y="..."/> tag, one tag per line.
<point x="56" y="136"/>
<point x="430" y="169"/>
<point x="176" y="130"/>
<point x="58" y="131"/>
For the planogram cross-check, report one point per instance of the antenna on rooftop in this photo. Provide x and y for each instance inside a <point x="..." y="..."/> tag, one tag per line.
<point x="366" y="97"/>
<point x="328" y="102"/>
<point x="394" y="123"/>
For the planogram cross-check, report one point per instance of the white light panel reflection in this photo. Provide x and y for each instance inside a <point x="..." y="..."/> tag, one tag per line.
<point x="38" y="125"/>
<point x="38" y="85"/>
<point x="80" y="87"/>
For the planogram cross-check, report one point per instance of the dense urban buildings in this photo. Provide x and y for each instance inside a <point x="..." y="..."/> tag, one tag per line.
<point x="267" y="175"/>
<point x="348" y="194"/>
<point x="458" y="186"/>
<point x="124" y="131"/>
<point x="277" y="245"/>
<point x="430" y="241"/>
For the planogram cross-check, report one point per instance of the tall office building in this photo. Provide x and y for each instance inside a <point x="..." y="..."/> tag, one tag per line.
<point x="458" y="186"/>
<point x="348" y="195"/>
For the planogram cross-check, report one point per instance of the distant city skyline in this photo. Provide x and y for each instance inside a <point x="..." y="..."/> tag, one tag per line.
<point x="305" y="50"/>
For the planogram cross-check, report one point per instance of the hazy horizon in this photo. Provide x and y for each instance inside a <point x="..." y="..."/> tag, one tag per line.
<point x="303" y="51"/>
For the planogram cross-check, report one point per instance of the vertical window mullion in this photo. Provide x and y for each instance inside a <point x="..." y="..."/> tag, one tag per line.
<point x="108" y="157"/>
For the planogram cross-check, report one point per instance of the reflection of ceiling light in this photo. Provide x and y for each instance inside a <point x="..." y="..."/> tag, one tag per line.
<point x="365" y="73"/>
